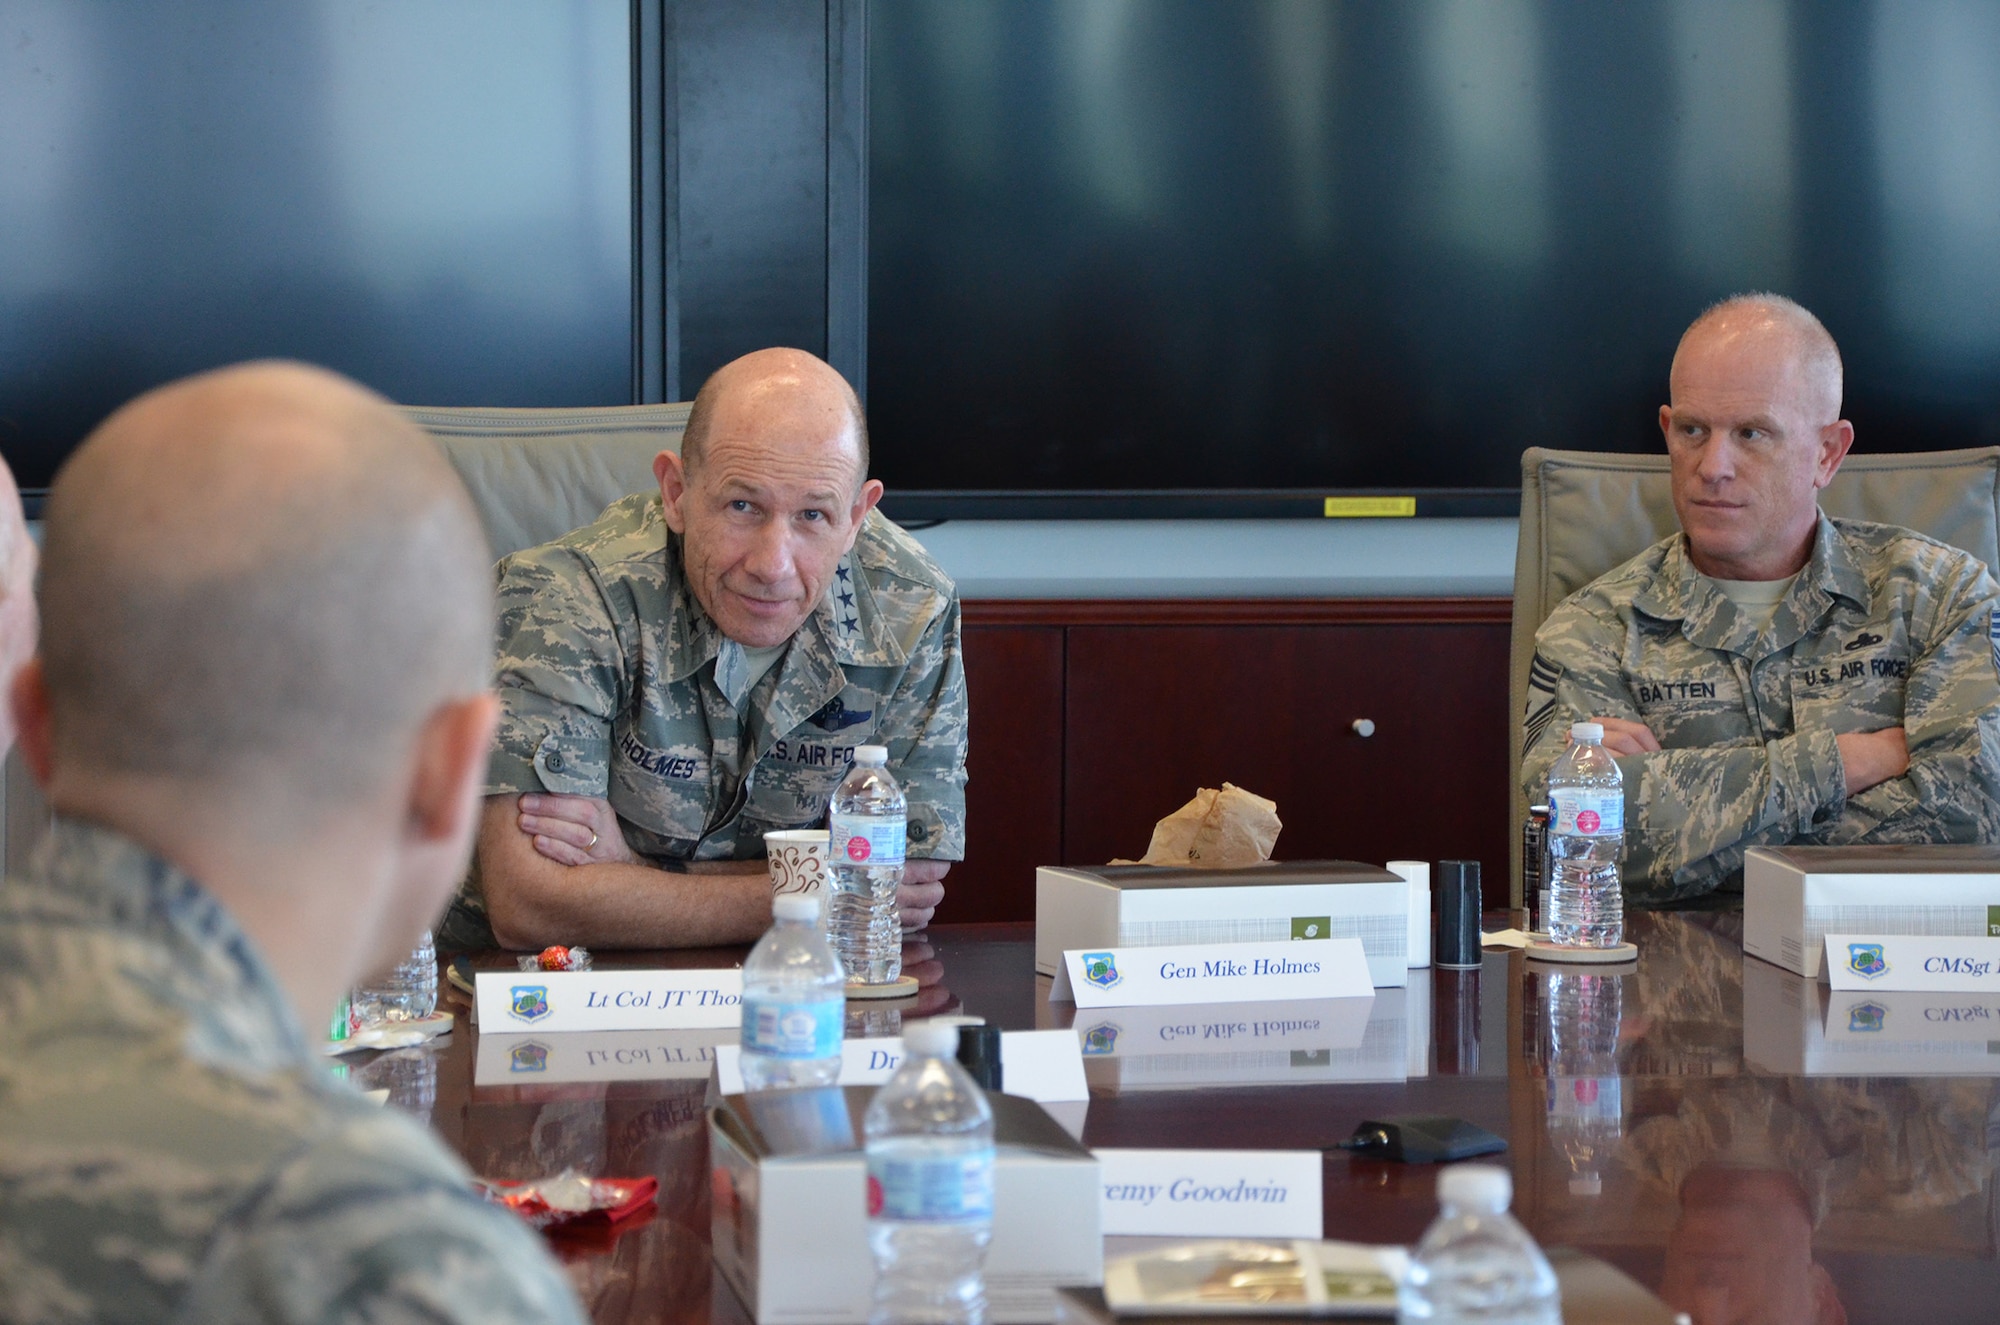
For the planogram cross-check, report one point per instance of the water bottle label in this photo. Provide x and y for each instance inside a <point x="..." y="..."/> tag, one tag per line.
<point x="859" y="839"/>
<point x="794" y="1030"/>
<point x="1597" y="1099"/>
<point x="1575" y="812"/>
<point x="955" y="1190"/>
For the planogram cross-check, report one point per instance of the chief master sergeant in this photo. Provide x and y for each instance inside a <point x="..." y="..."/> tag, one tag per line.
<point x="1770" y="675"/>
<point x="696" y="668"/>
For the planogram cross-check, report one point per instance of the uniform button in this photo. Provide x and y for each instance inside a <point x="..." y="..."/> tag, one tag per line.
<point x="919" y="832"/>
<point x="554" y="761"/>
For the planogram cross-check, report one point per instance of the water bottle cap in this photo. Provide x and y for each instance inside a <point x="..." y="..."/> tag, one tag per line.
<point x="871" y="756"/>
<point x="932" y="1039"/>
<point x="795" y="906"/>
<point x="1478" y="1186"/>
<point x="1586" y="731"/>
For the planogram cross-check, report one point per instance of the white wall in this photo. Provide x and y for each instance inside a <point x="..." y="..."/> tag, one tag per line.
<point x="1226" y="558"/>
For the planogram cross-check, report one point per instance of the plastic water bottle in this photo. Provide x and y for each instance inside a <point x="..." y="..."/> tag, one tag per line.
<point x="1586" y="838"/>
<point x="407" y="993"/>
<point x="867" y="830"/>
<point x="1475" y="1262"/>
<point x="930" y="1186"/>
<point x="1586" y="1105"/>
<point x="794" y="1003"/>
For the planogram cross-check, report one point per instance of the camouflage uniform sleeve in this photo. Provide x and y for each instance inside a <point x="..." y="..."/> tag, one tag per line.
<point x="925" y="730"/>
<point x="1951" y="719"/>
<point x="1689" y="813"/>
<point x="377" y="1223"/>
<point x="560" y="671"/>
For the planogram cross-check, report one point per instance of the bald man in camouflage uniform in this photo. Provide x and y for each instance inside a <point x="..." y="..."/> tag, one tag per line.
<point x="695" y="669"/>
<point x="260" y="714"/>
<point x="1769" y="675"/>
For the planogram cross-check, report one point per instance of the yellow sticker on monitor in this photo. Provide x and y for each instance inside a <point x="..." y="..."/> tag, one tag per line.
<point x="1369" y="506"/>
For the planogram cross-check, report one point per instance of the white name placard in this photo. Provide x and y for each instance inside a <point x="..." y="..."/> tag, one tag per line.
<point x="1211" y="1193"/>
<point x="1917" y="962"/>
<point x="1213" y="973"/>
<point x="552" y="1002"/>
<point x="1044" y="1066"/>
<point x="533" y="1059"/>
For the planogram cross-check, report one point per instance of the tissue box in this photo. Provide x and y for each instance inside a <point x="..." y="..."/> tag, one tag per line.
<point x="1793" y="897"/>
<point x="788" y="1222"/>
<point x="1145" y="906"/>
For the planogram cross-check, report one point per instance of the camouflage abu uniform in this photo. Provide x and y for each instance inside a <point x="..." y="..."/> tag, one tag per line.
<point x="608" y="669"/>
<point x="173" y="1149"/>
<point x="1882" y="628"/>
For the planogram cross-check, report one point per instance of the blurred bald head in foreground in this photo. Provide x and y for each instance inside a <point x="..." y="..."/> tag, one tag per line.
<point x="260" y="712"/>
<point x="268" y="616"/>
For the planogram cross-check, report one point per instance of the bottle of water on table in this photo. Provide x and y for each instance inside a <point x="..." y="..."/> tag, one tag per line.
<point x="1475" y="1263"/>
<point x="1586" y="838"/>
<point x="930" y="1186"/>
<point x="867" y="830"/>
<point x="407" y="993"/>
<point x="794" y="1002"/>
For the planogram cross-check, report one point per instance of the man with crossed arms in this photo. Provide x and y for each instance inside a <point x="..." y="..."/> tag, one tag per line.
<point x="1770" y="675"/>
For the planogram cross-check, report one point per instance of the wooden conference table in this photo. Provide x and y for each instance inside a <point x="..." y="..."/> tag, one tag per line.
<point x="1806" y="1194"/>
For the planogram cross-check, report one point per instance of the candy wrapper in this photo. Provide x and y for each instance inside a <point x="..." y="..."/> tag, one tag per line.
<point x="570" y="1201"/>
<point x="1257" y="1278"/>
<point x="558" y="958"/>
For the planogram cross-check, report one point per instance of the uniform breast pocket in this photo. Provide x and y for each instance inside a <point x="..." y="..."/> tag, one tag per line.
<point x="795" y="794"/>
<point x="1697" y="707"/>
<point x="664" y="789"/>
<point x="1857" y="689"/>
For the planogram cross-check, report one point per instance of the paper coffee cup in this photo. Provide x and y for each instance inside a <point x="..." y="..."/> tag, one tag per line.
<point x="797" y="859"/>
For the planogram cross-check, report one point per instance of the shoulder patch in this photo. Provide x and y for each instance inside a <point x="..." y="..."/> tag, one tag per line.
<point x="1541" y="705"/>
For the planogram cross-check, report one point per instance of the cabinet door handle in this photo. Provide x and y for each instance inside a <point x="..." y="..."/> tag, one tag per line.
<point x="1363" y="726"/>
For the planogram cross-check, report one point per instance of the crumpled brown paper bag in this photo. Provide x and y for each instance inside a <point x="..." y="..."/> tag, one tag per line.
<point x="1216" y="830"/>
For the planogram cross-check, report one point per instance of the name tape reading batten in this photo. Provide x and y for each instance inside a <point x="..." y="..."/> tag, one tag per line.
<point x="552" y="1002"/>
<point x="1920" y="963"/>
<point x="1211" y="1193"/>
<point x="1369" y="507"/>
<point x="1213" y="973"/>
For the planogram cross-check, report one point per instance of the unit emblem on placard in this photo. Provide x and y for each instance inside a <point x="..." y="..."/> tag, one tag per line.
<point x="1101" y="969"/>
<point x="531" y="1002"/>
<point x="1866" y="960"/>
<point x="528" y="1057"/>
<point x="1866" y="1017"/>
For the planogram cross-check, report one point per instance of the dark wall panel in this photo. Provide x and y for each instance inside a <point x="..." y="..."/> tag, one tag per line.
<point x="1014" y="801"/>
<point x="1154" y="712"/>
<point x="432" y="196"/>
<point x="751" y="179"/>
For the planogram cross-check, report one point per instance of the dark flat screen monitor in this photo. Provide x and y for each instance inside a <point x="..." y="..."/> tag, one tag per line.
<point x="1285" y="244"/>
<point x="432" y="195"/>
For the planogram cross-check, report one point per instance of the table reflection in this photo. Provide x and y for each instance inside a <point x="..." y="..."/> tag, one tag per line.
<point x="1659" y="1131"/>
<point x="1730" y="1134"/>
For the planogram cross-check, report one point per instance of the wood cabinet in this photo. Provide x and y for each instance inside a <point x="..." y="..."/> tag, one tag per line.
<point x="1091" y="720"/>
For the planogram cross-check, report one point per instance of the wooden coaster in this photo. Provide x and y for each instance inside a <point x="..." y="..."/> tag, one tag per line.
<point x="1553" y="952"/>
<point x="903" y="986"/>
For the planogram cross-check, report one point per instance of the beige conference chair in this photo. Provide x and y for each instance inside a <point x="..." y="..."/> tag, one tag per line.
<point x="1585" y="512"/>
<point x="536" y="474"/>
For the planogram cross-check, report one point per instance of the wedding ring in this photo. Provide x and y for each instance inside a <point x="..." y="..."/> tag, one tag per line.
<point x="593" y="840"/>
